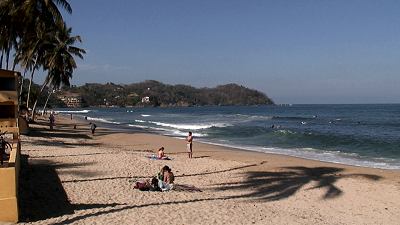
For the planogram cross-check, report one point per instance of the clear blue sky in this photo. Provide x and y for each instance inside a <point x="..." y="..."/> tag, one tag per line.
<point x="295" y="51"/>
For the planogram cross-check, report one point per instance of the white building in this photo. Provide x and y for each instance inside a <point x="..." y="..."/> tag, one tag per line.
<point x="146" y="99"/>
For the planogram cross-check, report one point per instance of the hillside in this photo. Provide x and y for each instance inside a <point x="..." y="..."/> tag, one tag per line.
<point x="165" y="95"/>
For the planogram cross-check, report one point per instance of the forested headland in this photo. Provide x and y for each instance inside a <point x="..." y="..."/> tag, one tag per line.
<point x="154" y="93"/>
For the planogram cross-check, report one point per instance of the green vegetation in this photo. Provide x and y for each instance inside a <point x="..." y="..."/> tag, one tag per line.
<point x="35" y="90"/>
<point x="34" y="34"/>
<point x="165" y="95"/>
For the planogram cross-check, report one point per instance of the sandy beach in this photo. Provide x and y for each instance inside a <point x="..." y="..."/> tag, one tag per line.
<point x="69" y="176"/>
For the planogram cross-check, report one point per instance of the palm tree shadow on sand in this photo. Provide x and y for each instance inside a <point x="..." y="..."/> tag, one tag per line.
<point x="41" y="194"/>
<point x="274" y="186"/>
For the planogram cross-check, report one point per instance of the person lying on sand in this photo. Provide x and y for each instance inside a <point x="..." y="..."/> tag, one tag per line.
<point x="147" y="185"/>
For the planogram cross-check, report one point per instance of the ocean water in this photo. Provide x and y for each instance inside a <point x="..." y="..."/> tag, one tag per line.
<point x="362" y="135"/>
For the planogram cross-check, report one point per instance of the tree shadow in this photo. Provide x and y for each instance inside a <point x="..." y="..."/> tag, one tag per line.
<point x="136" y="151"/>
<point x="62" y="144"/>
<point x="201" y="157"/>
<point x="71" y="155"/>
<point x="129" y="178"/>
<point x="273" y="186"/>
<point x="105" y="178"/>
<point x="41" y="195"/>
<point x="107" y="131"/>
<point x="41" y="132"/>
<point x="148" y="177"/>
<point x="122" y="207"/>
<point x="221" y="171"/>
<point x="52" y="201"/>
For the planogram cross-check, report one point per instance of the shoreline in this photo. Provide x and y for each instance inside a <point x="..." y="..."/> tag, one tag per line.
<point x="76" y="177"/>
<point x="224" y="154"/>
<point x="368" y="163"/>
<point x="297" y="157"/>
<point x="237" y="154"/>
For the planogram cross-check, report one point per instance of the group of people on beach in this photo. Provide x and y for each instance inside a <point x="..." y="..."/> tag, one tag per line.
<point x="189" y="148"/>
<point x="163" y="181"/>
<point x="52" y="120"/>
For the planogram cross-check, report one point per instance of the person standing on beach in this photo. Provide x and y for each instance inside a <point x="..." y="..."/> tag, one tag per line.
<point x="52" y="120"/>
<point x="92" y="127"/>
<point x="189" y="144"/>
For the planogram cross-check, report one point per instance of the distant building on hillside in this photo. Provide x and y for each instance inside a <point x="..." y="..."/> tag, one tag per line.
<point x="71" y="100"/>
<point x="146" y="99"/>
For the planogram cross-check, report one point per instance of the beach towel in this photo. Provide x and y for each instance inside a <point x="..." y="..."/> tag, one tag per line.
<point x="154" y="157"/>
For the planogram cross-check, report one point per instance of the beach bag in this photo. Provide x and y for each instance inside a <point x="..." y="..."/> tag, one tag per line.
<point x="142" y="186"/>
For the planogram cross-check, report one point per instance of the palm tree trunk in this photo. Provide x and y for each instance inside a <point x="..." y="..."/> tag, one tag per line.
<point x="30" y="84"/>
<point x="29" y="89"/>
<point x="14" y="64"/>
<point x="46" y="82"/>
<point x="1" y="59"/>
<point x="45" y="104"/>
<point x="7" y="57"/>
<point x="22" y="87"/>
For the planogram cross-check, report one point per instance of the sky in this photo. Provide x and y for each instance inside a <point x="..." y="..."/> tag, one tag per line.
<point x="295" y="51"/>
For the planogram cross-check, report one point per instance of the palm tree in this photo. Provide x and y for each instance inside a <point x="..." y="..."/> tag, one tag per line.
<point x="45" y="10"/>
<point x="57" y="79"/>
<point x="48" y="17"/>
<point x="59" y="59"/>
<point x="31" y="53"/>
<point x="35" y="30"/>
<point x="9" y="29"/>
<point x="51" y="91"/>
<point x="22" y="24"/>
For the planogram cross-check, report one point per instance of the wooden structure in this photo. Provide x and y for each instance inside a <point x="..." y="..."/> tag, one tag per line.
<point x="9" y="123"/>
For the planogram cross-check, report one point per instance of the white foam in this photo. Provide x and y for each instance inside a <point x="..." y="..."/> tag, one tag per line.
<point x="319" y="155"/>
<point x="102" y="120"/>
<point x="140" y="121"/>
<point x="168" y="132"/>
<point x="261" y="117"/>
<point x="145" y="115"/>
<point x="138" y="126"/>
<point x="190" y="126"/>
<point x="72" y="111"/>
<point x="184" y="134"/>
<point x="285" y="132"/>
